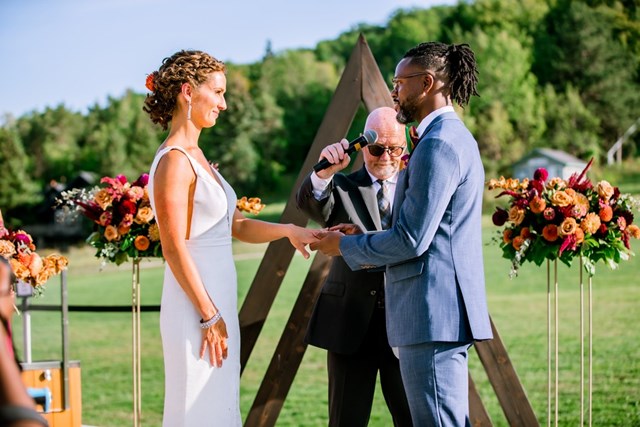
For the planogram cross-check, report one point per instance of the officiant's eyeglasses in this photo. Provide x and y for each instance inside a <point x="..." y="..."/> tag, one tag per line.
<point x="378" y="150"/>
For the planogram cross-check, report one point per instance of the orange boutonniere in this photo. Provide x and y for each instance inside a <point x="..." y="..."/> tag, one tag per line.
<point x="149" y="83"/>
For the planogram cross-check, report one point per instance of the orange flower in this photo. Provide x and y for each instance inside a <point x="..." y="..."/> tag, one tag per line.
<point x="568" y="227"/>
<point x="525" y="233"/>
<point x="144" y="215"/>
<point x="606" y="213"/>
<point x="562" y="198"/>
<point x="556" y="183"/>
<point x="154" y="233"/>
<point x="516" y="215"/>
<point x="605" y="190"/>
<point x="7" y="249"/>
<point x="507" y="235"/>
<point x="141" y="243"/>
<point x="123" y="229"/>
<point x="590" y="223"/>
<point x="149" y="83"/>
<point x="103" y="198"/>
<point x="537" y="205"/>
<point x="634" y="230"/>
<point x="579" y="236"/>
<point x="517" y="242"/>
<point x="35" y="264"/>
<point x="19" y="269"/>
<point x="110" y="233"/>
<point x="550" y="232"/>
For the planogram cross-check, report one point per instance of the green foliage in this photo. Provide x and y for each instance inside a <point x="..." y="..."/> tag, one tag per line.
<point x="570" y="125"/>
<point x="16" y="186"/>
<point x="579" y="45"/>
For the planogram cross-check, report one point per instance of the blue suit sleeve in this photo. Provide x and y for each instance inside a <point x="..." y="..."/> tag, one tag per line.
<point x="433" y="176"/>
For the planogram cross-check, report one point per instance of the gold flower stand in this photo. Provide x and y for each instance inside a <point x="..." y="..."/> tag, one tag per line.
<point x="136" y="344"/>
<point x="552" y="345"/>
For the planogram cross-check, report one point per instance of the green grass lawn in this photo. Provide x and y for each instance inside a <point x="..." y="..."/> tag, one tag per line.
<point x="102" y="342"/>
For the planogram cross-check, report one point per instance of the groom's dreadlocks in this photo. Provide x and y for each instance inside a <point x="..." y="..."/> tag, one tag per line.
<point x="453" y="64"/>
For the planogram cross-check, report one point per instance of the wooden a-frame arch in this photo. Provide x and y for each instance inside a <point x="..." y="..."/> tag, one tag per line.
<point x="361" y="81"/>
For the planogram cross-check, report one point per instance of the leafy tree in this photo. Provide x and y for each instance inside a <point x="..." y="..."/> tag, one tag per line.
<point x="570" y="125"/>
<point x="16" y="186"/>
<point x="51" y="139"/>
<point x="505" y="75"/>
<point x="302" y="86"/>
<point x="577" y="45"/>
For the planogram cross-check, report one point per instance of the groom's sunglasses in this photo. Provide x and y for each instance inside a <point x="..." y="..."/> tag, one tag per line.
<point x="378" y="150"/>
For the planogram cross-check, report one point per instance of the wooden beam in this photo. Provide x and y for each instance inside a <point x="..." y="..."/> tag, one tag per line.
<point x="478" y="415"/>
<point x="502" y="376"/>
<point x="290" y="350"/>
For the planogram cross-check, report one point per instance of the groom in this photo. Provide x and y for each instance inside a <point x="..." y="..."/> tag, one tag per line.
<point x="435" y="296"/>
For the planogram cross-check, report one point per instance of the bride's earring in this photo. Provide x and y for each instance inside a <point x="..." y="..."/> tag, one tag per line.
<point x="189" y="111"/>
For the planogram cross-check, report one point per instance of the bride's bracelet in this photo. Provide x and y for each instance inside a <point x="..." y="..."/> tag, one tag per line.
<point x="210" y="322"/>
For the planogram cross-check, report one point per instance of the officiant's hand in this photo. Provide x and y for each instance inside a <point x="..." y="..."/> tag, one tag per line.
<point x="348" y="229"/>
<point x="335" y="154"/>
<point x="329" y="243"/>
<point x="214" y="340"/>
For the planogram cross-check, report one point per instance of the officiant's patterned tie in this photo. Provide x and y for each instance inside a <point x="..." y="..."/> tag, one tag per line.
<point x="384" y="204"/>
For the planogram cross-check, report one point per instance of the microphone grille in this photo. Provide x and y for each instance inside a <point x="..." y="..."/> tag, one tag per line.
<point x="371" y="136"/>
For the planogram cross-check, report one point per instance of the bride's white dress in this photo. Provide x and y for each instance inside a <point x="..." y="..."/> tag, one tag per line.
<point x="197" y="394"/>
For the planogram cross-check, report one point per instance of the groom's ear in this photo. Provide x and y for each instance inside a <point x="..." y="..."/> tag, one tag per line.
<point x="428" y="82"/>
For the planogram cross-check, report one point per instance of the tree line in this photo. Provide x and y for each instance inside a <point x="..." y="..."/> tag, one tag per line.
<point x="556" y="73"/>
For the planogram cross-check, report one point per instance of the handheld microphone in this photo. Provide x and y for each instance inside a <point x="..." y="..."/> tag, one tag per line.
<point x="369" y="137"/>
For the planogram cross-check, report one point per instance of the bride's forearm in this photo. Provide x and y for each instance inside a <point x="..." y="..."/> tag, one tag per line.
<point x="255" y="231"/>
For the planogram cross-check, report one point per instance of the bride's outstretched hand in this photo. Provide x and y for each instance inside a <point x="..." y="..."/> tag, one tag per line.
<point x="214" y="339"/>
<point x="300" y="237"/>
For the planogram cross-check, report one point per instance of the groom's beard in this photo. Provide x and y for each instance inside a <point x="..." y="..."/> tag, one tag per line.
<point x="407" y="111"/>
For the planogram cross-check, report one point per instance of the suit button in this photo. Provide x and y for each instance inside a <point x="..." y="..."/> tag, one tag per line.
<point x="372" y="292"/>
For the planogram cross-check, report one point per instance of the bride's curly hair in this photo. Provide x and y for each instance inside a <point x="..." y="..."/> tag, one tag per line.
<point x="186" y="66"/>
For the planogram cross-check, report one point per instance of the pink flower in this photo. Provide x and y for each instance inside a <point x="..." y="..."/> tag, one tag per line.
<point x="142" y="181"/>
<point x="549" y="214"/>
<point x="541" y="174"/>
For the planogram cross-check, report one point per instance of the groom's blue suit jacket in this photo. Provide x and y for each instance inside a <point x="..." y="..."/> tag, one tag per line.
<point x="433" y="252"/>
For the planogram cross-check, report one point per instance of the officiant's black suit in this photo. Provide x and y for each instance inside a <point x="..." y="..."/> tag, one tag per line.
<point x="348" y="319"/>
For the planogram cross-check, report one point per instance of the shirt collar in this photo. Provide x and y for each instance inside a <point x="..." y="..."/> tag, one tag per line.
<point x="424" y="124"/>
<point x="391" y="180"/>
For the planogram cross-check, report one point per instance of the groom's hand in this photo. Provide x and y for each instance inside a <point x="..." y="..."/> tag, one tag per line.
<point x="329" y="243"/>
<point x="348" y="229"/>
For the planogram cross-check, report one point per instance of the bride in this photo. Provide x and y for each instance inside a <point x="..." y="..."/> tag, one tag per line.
<point x="196" y="213"/>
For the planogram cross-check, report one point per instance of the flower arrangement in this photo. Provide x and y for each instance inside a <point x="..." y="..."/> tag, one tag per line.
<point x="124" y="222"/>
<point x="27" y="265"/>
<point x="557" y="219"/>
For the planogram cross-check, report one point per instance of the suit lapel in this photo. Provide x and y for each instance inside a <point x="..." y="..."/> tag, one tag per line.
<point x="362" y="197"/>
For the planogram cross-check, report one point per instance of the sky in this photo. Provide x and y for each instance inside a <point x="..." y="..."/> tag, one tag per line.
<point x="79" y="52"/>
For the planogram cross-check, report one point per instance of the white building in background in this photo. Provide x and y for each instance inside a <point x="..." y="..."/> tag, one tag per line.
<point x="557" y="163"/>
